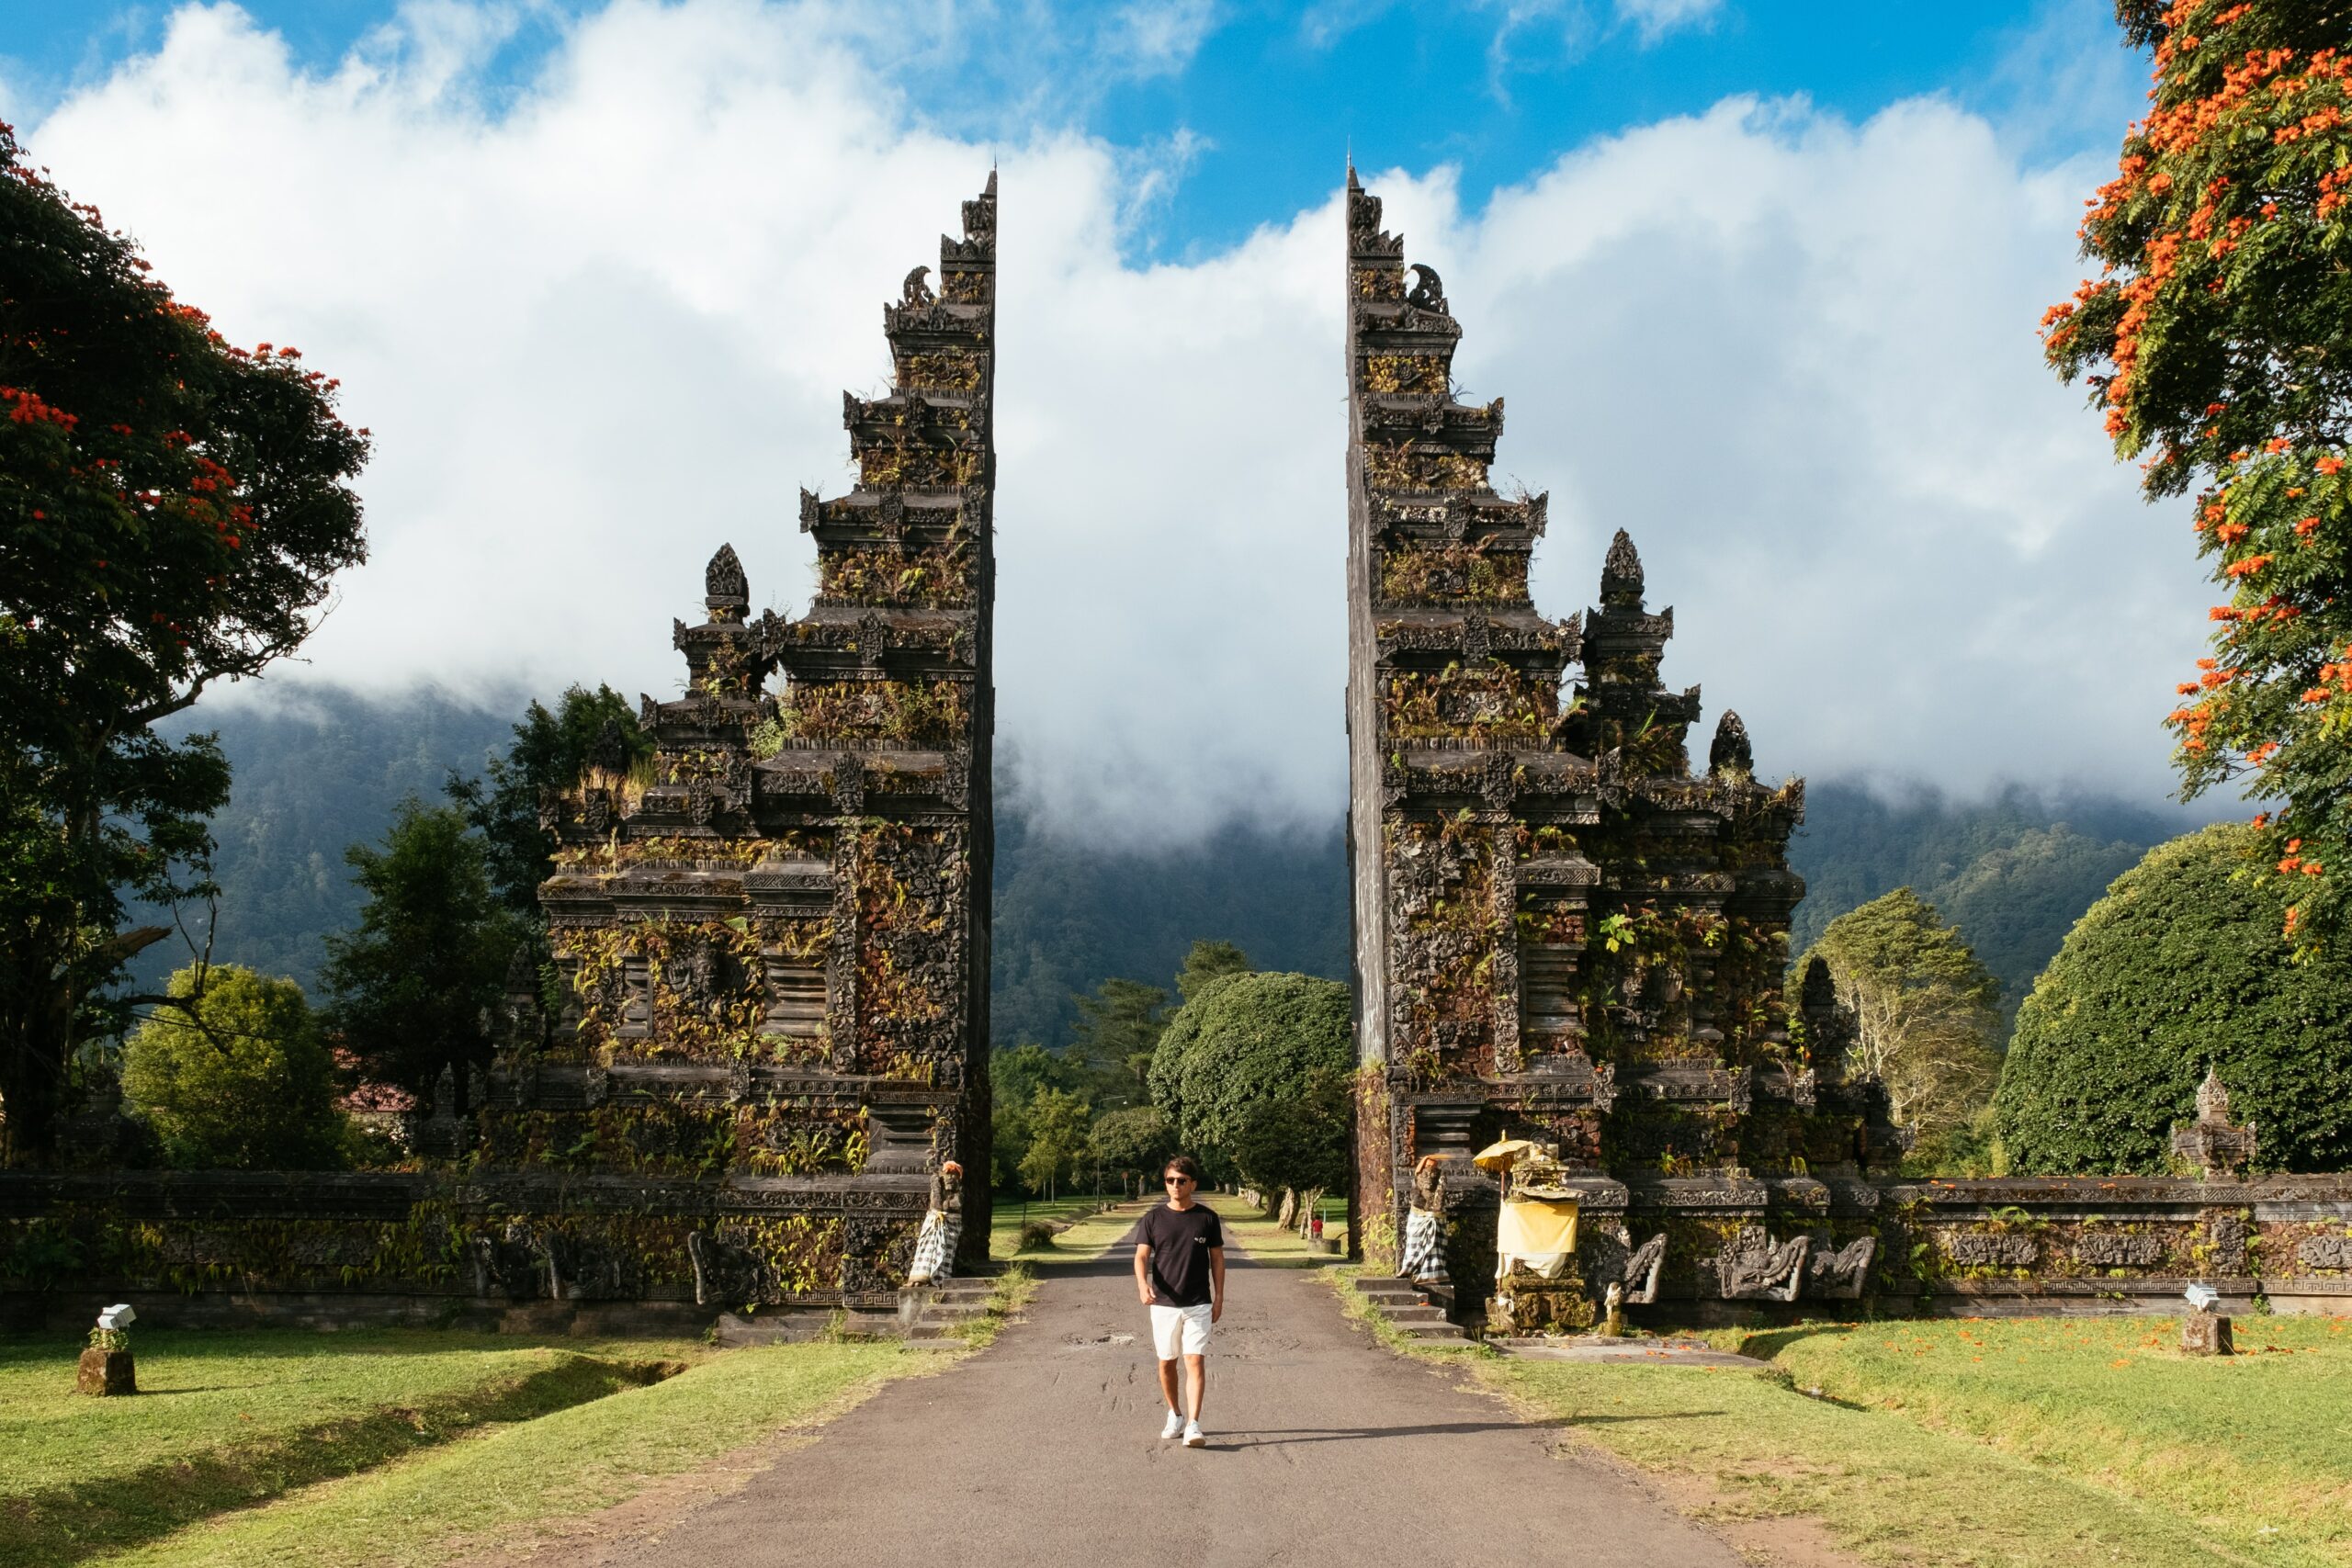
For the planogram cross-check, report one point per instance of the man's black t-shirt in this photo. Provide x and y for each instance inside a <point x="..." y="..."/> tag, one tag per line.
<point x="1180" y="1240"/>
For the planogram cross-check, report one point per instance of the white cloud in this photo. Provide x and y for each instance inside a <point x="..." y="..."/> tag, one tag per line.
<point x="1656" y="19"/>
<point x="603" y="327"/>
<point x="1158" y="38"/>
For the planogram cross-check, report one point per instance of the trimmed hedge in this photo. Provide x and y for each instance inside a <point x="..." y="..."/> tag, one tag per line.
<point x="2180" y="967"/>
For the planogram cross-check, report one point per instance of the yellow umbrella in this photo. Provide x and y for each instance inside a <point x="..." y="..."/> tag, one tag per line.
<point x="1502" y="1155"/>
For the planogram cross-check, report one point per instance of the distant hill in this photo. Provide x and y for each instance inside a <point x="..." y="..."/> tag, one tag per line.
<point x="2014" y="873"/>
<point x="319" y="773"/>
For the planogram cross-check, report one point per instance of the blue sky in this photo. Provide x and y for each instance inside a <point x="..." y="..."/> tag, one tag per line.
<point x="1247" y="104"/>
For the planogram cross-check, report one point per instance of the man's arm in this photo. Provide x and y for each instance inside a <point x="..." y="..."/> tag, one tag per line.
<point x="1216" y="1283"/>
<point x="1143" y="1271"/>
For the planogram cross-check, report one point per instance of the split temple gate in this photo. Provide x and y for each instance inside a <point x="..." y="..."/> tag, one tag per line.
<point x="768" y="1022"/>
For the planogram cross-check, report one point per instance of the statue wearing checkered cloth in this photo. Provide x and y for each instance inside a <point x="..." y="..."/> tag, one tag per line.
<point x="1423" y="1261"/>
<point x="942" y="1228"/>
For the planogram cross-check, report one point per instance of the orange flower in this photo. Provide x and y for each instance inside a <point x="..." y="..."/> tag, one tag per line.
<point x="2329" y="465"/>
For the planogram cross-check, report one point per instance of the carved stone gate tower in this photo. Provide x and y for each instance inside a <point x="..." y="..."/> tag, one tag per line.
<point x="1561" y="932"/>
<point x="772" y="943"/>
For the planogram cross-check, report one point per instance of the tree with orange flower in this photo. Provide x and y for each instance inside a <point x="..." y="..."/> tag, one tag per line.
<point x="173" y="511"/>
<point x="2218" y="340"/>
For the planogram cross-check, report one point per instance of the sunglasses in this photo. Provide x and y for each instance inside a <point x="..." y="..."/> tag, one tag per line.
<point x="1177" y="1181"/>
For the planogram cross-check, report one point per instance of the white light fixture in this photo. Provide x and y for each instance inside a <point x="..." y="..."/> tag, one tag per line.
<point x="2201" y="1297"/>
<point x="117" y="1317"/>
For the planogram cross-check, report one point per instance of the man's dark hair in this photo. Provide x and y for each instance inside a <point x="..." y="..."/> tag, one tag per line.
<point x="1182" y="1165"/>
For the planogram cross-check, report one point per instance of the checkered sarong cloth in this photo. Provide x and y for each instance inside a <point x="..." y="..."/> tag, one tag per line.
<point x="935" y="1248"/>
<point x="1424" y="1258"/>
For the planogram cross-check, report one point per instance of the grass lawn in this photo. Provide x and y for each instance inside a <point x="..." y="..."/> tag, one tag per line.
<point x="1010" y="1214"/>
<point x="2018" y="1443"/>
<point x="282" y="1446"/>
<point x="2256" y="1449"/>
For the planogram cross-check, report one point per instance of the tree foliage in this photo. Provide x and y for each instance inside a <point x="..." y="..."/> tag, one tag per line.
<point x="2175" y="970"/>
<point x="2218" y="337"/>
<point x="1929" y="1012"/>
<point x="238" y="1080"/>
<point x="550" y="749"/>
<point x="1244" y="1067"/>
<point x="1057" y="1123"/>
<point x="413" y="987"/>
<point x="172" y="510"/>
<point x="1113" y="1041"/>
<point x="1209" y="961"/>
<point x="1132" y="1140"/>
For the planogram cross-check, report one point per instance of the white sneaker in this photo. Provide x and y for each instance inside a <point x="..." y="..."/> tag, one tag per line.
<point x="1175" y="1427"/>
<point x="1193" y="1436"/>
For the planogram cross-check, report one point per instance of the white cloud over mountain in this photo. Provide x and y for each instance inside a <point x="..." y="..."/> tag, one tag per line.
<point x="600" y="320"/>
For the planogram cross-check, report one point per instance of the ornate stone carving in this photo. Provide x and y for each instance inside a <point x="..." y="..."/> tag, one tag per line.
<point x="2119" y="1249"/>
<point x="2325" y="1252"/>
<point x="1428" y="292"/>
<point x="1751" y="1266"/>
<point x="1729" y="753"/>
<point x="2212" y="1143"/>
<point x="1841" y="1275"/>
<point x="1991" y="1249"/>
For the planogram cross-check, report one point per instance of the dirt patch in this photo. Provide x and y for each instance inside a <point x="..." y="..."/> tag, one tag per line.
<point x="1781" y="1540"/>
<point x="597" y="1540"/>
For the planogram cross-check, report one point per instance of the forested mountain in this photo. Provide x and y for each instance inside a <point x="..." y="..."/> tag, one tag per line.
<point x="2013" y="873"/>
<point x="318" y="773"/>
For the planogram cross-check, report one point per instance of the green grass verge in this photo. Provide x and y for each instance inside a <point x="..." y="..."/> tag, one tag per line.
<point x="1014" y="1285"/>
<point x="1088" y="1235"/>
<point x="2256" y="1449"/>
<point x="225" y="1420"/>
<point x="488" y="1491"/>
<point x="1268" y="1244"/>
<point x="1010" y="1214"/>
<point x="1996" y="1443"/>
<point x="1887" y="1489"/>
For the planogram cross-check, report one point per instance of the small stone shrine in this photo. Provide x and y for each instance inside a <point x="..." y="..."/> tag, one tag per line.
<point x="2213" y="1144"/>
<point x="772" y="944"/>
<point x="1562" y="932"/>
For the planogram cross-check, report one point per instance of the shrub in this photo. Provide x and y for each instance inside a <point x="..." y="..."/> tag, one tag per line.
<point x="246" y="1085"/>
<point x="2180" y="967"/>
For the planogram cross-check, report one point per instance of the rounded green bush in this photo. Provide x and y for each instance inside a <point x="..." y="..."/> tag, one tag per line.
<point x="1250" y="1050"/>
<point x="252" y="1088"/>
<point x="2181" y="966"/>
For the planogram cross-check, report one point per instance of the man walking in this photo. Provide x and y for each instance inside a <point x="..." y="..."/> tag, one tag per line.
<point x="1179" y="1274"/>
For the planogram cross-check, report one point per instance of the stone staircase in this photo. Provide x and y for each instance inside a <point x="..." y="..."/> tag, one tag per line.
<point x="929" y="1315"/>
<point x="1417" y="1312"/>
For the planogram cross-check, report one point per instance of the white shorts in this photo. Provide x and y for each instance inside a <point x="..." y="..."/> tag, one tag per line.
<point x="1180" y="1331"/>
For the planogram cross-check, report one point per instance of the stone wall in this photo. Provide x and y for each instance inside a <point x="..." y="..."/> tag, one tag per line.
<point x="511" y="1249"/>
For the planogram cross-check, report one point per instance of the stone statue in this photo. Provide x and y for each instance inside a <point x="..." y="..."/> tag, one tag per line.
<point x="1423" y="1261"/>
<point x="942" y="1228"/>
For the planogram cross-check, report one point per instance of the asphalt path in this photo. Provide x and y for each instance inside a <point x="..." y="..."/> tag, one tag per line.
<point x="1045" y="1449"/>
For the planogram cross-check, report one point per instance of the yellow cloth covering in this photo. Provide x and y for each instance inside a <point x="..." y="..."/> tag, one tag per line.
<point x="1530" y="1228"/>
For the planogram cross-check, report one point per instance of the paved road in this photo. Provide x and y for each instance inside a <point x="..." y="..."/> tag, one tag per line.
<point x="1045" y="1451"/>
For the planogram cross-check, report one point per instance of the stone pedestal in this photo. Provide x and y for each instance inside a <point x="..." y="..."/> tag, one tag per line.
<point x="1529" y="1304"/>
<point x="105" y="1373"/>
<point x="2206" y="1334"/>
